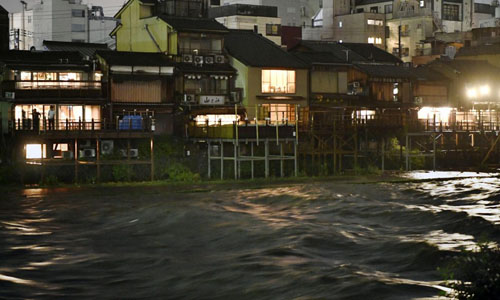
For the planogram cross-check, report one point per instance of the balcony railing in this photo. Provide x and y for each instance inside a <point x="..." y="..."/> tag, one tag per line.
<point x="264" y="129"/>
<point x="58" y="89"/>
<point x="118" y="124"/>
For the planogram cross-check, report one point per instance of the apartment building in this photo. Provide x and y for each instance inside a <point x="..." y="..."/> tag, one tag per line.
<point x="59" y="20"/>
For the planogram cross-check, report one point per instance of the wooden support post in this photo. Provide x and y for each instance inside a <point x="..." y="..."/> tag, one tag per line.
<point x="128" y="159"/>
<point x="407" y="153"/>
<point x="334" y="147"/>
<point x="152" y="159"/>
<point x="98" y="157"/>
<point x="296" y="156"/>
<point x="239" y="162"/>
<point x="282" y="161"/>
<point x="383" y="155"/>
<point x="76" y="160"/>
<point x="434" y="152"/>
<point x="235" y="160"/>
<point x="257" y="124"/>
<point x="266" y="158"/>
<point x="42" y="163"/>
<point x="209" y="160"/>
<point x="252" y="161"/>
<point x="356" y="149"/>
<point x="221" y="160"/>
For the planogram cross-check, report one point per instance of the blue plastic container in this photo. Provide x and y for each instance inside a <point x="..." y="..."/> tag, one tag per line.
<point x="130" y="123"/>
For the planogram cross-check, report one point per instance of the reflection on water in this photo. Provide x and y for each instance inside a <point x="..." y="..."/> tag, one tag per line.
<point x="303" y="241"/>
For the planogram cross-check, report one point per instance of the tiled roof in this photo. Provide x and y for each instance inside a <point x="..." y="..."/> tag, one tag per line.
<point x="122" y="58"/>
<point x="3" y="10"/>
<point x="479" y="50"/>
<point x="194" y="24"/>
<point x="319" y="58"/>
<point x="255" y="50"/>
<point x="43" y="60"/>
<point x="352" y="52"/>
<point x="386" y="71"/>
<point x="85" y="49"/>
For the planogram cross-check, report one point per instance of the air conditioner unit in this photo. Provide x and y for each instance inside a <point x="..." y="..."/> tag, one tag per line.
<point x="418" y="100"/>
<point x="10" y="95"/>
<point x="198" y="60"/>
<point x="107" y="147"/>
<point x="87" y="153"/>
<point x="189" y="98"/>
<point x="219" y="59"/>
<point x="494" y="3"/>
<point x="187" y="58"/>
<point x="134" y="153"/>
<point x="209" y="59"/>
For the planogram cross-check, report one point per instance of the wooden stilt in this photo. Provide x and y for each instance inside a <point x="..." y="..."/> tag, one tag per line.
<point x="252" y="162"/>
<point x="221" y="160"/>
<point x="152" y="141"/>
<point x="98" y="159"/>
<point x="209" y="160"/>
<point x="282" y="161"/>
<point x="266" y="157"/>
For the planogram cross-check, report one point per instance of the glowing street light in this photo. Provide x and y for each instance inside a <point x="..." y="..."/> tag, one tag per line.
<point x="472" y="93"/>
<point x="484" y="90"/>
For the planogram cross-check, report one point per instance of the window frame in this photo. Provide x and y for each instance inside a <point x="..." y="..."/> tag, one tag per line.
<point x="290" y="87"/>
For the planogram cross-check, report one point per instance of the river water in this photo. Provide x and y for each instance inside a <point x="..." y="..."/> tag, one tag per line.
<point x="301" y="241"/>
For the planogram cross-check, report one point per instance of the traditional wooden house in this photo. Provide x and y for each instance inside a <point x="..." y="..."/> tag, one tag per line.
<point x="58" y="102"/>
<point x="204" y="83"/>
<point x="274" y="82"/>
<point x="140" y="84"/>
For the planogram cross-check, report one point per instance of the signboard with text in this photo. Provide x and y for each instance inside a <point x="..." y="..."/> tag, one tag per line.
<point x="212" y="100"/>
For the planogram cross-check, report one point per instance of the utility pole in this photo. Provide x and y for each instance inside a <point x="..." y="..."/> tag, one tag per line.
<point x="23" y="32"/>
<point x="399" y="41"/>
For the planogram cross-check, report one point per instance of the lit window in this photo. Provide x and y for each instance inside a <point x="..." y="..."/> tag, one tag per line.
<point x="278" y="81"/>
<point x="35" y="151"/>
<point x="422" y="3"/>
<point x="378" y="41"/>
<point x="371" y="40"/>
<point x="273" y="29"/>
<point x="278" y="112"/>
<point x="340" y="41"/>
<point x="340" y="24"/>
<point x="375" y="22"/>
<point x="216" y="119"/>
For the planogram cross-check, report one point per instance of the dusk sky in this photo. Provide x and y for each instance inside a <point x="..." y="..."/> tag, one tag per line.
<point x="110" y="6"/>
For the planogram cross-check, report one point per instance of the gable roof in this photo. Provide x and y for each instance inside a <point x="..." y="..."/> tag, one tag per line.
<point x="85" y="49"/>
<point x="123" y="58"/>
<point x="43" y="60"/>
<point x="351" y="52"/>
<point x="194" y="24"/>
<point x="3" y="10"/>
<point x="255" y="50"/>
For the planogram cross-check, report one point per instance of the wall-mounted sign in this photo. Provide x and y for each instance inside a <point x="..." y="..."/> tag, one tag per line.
<point x="212" y="100"/>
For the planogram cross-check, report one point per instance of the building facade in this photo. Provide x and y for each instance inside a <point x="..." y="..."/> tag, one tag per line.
<point x="59" y="20"/>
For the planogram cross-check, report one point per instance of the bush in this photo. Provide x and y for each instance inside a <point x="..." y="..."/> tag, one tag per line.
<point x="50" y="180"/>
<point x="475" y="275"/>
<point x="120" y="172"/>
<point x="180" y="173"/>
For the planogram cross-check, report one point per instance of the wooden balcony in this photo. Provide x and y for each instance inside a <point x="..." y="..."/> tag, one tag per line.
<point x="27" y="89"/>
<point x="243" y="130"/>
<point x="67" y="129"/>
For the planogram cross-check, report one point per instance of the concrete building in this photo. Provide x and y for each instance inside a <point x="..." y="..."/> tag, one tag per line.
<point x="261" y="19"/>
<point x="59" y="20"/>
<point x="405" y="26"/>
<point x="291" y="12"/>
<point x="4" y="29"/>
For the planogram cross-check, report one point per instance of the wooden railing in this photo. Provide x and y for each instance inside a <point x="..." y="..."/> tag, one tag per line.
<point x="58" y="89"/>
<point x="28" y="126"/>
<point x="242" y="130"/>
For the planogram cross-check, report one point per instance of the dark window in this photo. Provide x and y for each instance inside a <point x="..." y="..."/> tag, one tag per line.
<point x="481" y="8"/>
<point x="273" y="29"/>
<point x="374" y="9"/>
<point x="77" y="27"/>
<point x="78" y="13"/>
<point x="214" y="2"/>
<point x="360" y="10"/>
<point x="451" y="12"/>
<point x="388" y="8"/>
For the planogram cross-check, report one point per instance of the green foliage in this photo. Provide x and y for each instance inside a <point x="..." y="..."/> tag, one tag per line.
<point x="475" y="275"/>
<point x="120" y="172"/>
<point x="50" y="180"/>
<point x="180" y="173"/>
<point x="370" y="169"/>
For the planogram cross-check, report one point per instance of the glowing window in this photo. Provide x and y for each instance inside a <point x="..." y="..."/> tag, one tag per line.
<point x="378" y="41"/>
<point x="34" y="151"/>
<point x="278" y="81"/>
<point x="216" y="119"/>
<point x="371" y="40"/>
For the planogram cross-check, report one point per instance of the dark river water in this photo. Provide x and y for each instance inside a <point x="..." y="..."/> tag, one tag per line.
<point x="302" y="241"/>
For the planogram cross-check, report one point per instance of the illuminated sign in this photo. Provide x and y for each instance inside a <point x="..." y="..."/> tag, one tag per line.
<point x="212" y="100"/>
